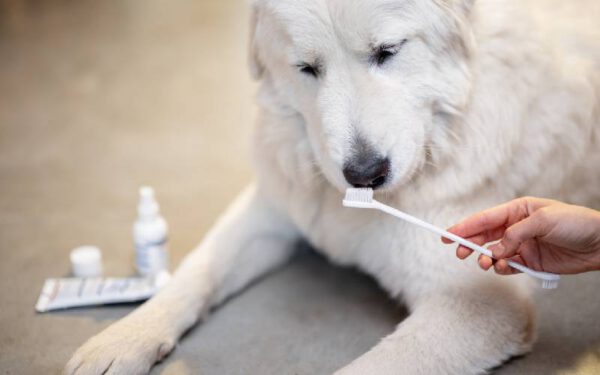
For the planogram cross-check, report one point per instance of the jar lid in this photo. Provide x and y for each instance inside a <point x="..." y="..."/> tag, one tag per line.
<point x="86" y="261"/>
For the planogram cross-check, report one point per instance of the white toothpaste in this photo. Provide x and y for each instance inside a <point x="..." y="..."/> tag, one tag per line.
<point x="90" y="291"/>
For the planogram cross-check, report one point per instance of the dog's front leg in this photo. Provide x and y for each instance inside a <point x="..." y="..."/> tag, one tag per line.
<point x="453" y="333"/>
<point x="250" y="239"/>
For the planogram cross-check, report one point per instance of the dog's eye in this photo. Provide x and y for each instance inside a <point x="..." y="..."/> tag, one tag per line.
<point x="385" y="51"/>
<point x="383" y="55"/>
<point x="308" y="69"/>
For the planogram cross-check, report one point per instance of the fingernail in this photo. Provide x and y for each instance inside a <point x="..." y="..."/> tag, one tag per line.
<point x="498" y="250"/>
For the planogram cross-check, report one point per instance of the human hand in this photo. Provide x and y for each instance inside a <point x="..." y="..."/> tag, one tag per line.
<point x="542" y="234"/>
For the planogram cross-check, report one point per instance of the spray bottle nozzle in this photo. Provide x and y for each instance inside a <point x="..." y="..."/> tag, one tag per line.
<point x="146" y="192"/>
<point x="147" y="205"/>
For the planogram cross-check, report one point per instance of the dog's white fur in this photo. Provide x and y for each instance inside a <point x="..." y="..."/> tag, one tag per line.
<point x="487" y="100"/>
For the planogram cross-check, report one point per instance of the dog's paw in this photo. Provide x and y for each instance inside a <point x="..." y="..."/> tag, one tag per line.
<point x="122" y="348"/>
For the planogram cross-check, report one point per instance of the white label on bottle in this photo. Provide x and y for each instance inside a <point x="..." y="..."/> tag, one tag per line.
<point x="151" y="258"/>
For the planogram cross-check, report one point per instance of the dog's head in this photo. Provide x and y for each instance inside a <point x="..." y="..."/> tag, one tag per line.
<point x="378" y="83"/>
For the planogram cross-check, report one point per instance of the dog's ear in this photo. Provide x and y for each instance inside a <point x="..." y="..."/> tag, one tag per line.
<point x="255" y="65"/>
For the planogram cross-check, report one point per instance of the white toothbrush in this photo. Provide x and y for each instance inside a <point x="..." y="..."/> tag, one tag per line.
<point x="363" y="198"/>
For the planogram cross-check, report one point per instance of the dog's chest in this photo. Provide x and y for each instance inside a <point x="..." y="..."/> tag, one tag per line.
<point x="396" y="253"/>
<point x="364" y="238"/>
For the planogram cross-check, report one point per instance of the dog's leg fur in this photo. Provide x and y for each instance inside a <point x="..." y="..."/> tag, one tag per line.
<point x="251" y="239"/>
<point x="458" y="330"/>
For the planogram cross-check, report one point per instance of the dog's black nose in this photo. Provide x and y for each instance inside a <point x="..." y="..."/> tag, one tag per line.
<point x="364" y="171"/>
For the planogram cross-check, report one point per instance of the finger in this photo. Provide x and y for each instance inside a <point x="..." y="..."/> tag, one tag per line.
<point x="517" y="259"/>
<point x="510" y="270"/>
<point x="529" y="255"/>
<point x="485" y="262"/>
<point x="446" y="240"/>
<point x="463" y="252"/>
<point x="483" y="221"/>
<point x="519" y="233"/>
<point x="497" y="250"/>
<point x="484" y="237"/>
<point x="503" y="215"/>
<point x="501" y="267"/>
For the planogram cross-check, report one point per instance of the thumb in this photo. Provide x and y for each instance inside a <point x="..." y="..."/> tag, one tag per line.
<point x="524" y="230"/>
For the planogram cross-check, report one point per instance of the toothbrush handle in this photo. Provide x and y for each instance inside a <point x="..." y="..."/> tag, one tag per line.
<point x="460" y="240"/>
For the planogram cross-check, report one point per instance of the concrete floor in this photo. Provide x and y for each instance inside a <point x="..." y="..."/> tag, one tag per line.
<point x="99" y="97"/>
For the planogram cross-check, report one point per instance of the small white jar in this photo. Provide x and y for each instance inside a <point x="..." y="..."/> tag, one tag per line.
<point x="86" y="261"/>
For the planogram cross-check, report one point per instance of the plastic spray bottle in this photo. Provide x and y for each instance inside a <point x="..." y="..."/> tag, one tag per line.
<point x="150" y="236"/>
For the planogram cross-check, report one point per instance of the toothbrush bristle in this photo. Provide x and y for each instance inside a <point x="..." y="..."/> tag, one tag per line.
<point x="359" y="195"/>
<point x="550" y="284"/>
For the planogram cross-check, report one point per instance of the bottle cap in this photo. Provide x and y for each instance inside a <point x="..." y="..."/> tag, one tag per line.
<point x="147" y="206"/>
<point x="86" y="261"/>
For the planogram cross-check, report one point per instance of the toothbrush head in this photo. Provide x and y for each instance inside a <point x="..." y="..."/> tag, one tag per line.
<point x="358" y="197"/>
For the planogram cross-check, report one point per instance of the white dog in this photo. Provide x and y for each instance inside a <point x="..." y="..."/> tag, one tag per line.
<point x="445" y="107"/>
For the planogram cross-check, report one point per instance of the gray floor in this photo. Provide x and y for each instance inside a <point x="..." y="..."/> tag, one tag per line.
<point x="99" y="97"/>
